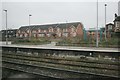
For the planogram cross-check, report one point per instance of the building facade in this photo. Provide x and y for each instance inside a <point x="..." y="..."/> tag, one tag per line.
<point x="11" y="34"/>
<point x="51" y="30"/>
<point x="117" y="23"/>
<point x="91" y="34"/>
<point x="110" y="28"/>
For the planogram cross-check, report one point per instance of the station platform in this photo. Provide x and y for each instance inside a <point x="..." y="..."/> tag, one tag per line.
<point x="48" y="46"/>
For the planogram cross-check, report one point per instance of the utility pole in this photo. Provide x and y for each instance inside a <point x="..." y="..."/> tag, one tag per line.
<point x="105" y="23"/>
<point x="6" y="28"/>
<point x="97" y="27"/>
<point x="29" y="27"/>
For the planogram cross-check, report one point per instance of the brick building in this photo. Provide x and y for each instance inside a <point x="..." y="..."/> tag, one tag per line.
<point x="110" y="28"/>
<point x="117" y="23"/>
<point x="51" y="30"/>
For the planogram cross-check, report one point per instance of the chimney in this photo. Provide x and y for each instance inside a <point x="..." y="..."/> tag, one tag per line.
<point x="115" y="15"/>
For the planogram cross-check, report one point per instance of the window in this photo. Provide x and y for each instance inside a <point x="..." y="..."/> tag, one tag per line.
<point x="10" y="36"/>
<point x="41" y="35"/>
<point x="50" y="29"/>
<point x="17" y="35"/>
<point x="19" y="31"/>
<point x="11" y="31"/>
<point x="117" y="24"/>
<point x="110" y="27"/>
<point x="28" y="31"/>
<point x="48" y="35"/>
<point x="59" y="34"/>
<point x="74" y="34"/>
<point x="5" y="35"/>
<point x="26" y="35"/>
<point x="58" y="29"/>
<point x="73" y="28"/>
<point x="34" y="35"/>
<point x="65" y="34"/>
<point x="63" y="30"/>
<point x="66" y="30"/>
<point x="34" y="31"/>
<point x="39" y="30"/>
<point x="21" y="35"/>
<point x="45" y="31"/>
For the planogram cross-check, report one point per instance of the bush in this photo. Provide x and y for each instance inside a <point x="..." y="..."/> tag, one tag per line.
<point x="111" y="42"/>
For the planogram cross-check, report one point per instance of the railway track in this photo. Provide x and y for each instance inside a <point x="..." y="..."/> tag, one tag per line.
<point x="42" y="71"/>
<point x="27" y="66"/>
<point x="13" y="73"/>
<point x="68" y="59"/>
<point x="64" y="62"/>
<point x="77" y="66"/>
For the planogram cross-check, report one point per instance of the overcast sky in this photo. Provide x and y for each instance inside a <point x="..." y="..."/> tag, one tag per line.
<point x="57" y="12"/>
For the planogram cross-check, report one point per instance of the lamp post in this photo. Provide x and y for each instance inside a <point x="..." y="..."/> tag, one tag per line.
<point x="29" y="26"/>
<point x="105" y="22"/>
<point x="6" y="28"/>
<point x="97" y="27"/>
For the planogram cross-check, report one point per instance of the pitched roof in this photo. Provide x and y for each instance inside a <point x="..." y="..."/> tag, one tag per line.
<point x="93" y="30"/>
<point x="109" y="24"/>
<point x="61" y="25"/>
<point x="10" y="30"/>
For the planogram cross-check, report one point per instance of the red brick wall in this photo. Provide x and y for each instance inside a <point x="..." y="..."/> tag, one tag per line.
<point x="79" y="30"/>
